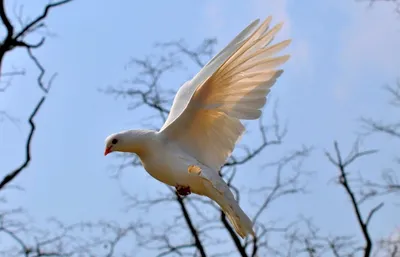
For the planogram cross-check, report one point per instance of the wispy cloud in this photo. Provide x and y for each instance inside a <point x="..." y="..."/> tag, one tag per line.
<point x="369" y="44"/>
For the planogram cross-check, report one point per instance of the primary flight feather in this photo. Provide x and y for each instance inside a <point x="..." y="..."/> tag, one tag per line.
<point x="204" y="124"/>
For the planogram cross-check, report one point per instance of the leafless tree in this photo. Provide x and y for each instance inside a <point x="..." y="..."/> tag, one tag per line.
<point x="16" y="37"/>
<point x="343" y="179"/>
<point x="18" y="235"/>
<point x="361" y="192"/>
<point x="390" y="183"/>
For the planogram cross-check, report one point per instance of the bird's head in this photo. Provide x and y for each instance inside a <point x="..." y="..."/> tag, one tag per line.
<point x="113" y="143"/>
<point x="129" y="141"/>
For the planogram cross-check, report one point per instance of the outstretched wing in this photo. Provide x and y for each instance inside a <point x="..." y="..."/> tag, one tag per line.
<point x="187" y="90"/>
<point x="233" y="86"/>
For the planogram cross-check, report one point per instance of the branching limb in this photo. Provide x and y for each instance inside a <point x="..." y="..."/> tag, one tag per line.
<point x="84" y="239"/>
<point x="15" y="39"/>
<point x="342" y="165"/>
<point x="306" y="239"/>
<point x="13" y="174"/>
<point x="390" y="183"/>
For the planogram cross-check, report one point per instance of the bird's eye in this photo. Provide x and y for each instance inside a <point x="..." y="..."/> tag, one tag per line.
<point x="114" y="141"/>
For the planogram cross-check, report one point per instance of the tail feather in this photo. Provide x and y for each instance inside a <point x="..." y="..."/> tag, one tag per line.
<point x="236" y="216"/>
<point x="239" y="220"/>
<point x="215" y="188"/>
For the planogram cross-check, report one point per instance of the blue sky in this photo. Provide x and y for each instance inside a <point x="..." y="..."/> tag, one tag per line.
<point x="342" y="54"/>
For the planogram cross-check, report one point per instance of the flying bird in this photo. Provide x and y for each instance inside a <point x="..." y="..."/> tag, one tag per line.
<point x="204" y="123"/>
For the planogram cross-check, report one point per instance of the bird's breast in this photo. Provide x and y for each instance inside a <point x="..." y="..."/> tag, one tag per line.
<point x="171" y="167"/>
<point x="165" y="167"/>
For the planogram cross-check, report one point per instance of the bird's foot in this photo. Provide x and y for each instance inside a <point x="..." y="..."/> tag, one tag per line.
<point x="183" y="190"/>
<point x="194" y="169"/>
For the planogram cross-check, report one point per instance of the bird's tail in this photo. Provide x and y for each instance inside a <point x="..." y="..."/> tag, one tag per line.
<point x="239" y="220"/>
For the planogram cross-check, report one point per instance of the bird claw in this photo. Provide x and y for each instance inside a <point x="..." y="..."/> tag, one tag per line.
<point x="183" y="190"/>
<point x="194" y="169"/>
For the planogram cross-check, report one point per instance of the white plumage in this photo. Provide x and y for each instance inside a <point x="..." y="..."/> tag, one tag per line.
<point x="204" y="124"/>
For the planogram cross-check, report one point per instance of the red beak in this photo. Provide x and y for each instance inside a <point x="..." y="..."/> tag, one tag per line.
<point x="107" y="151"/>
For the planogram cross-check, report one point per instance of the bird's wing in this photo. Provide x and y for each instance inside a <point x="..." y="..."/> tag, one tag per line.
<point x="233" y="86"/>
<point x="187" y="90"/>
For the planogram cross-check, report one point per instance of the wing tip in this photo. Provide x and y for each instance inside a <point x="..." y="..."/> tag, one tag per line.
<point x="285" y="57"/>
<point x="256" y="21"/>
<point x="269" y="18"/>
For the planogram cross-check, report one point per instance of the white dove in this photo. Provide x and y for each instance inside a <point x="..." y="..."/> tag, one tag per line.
<point x="204" y="124"/>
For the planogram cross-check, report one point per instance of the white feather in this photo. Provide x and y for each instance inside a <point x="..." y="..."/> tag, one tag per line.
<point x="187" y="90"/>
<point x="206" y="113"/>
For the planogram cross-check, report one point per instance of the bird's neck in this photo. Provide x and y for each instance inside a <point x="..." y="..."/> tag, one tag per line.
<point x="139" y="141"/>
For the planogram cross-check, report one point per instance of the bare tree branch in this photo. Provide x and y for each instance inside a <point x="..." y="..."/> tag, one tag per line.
<point x="9" y="43"/>
<point x="16" y="39"/>
<point x="8" y="178"/>
<point x="205" y="49"/>
<point x="83" y="239"/>
<point x="344" y="181"/>
<point x="306" y="239"/>
<point x="395" y="3"/>
<point x="189" y="222"/>
<point x="22" y="238"/>
<point x="390" y="183"/>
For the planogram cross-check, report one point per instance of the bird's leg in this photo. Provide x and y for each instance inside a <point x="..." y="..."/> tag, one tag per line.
<point x="183" y="190"/>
